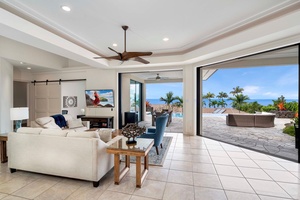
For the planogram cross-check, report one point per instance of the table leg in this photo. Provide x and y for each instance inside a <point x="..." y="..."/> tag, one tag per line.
<point x="3" y="151"/>
<point x="117" y="169"/>
<point x="138" y="172"/>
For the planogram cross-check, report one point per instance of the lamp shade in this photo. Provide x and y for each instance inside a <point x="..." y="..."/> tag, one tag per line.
<point x="19" y="113"/>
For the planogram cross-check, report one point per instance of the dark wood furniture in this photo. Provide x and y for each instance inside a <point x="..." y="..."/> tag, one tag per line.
<point x="3" y="139"/>
<point x="99" y="121"/>
<point x="141" y="149"/>
<point x="131" y="117"/>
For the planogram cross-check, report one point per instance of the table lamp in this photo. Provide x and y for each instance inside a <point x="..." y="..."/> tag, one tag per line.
<point x="19" y="114"/>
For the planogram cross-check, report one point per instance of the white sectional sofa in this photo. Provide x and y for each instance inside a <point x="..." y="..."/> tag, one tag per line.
<point x="80" y="155"/>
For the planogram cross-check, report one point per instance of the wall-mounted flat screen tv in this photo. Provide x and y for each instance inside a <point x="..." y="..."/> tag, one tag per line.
<point x="100" y="98"/>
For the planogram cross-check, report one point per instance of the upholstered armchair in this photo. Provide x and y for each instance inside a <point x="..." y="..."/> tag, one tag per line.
<point x="158" y="132"/>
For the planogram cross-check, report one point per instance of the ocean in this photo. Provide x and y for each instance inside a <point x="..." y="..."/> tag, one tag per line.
<point x="263" y="102"/>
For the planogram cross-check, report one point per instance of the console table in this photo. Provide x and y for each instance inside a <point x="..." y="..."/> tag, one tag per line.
<point x="99" y="121"/>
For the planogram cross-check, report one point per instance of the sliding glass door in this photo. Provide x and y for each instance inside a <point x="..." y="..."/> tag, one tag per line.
<point x="136" y="98"/>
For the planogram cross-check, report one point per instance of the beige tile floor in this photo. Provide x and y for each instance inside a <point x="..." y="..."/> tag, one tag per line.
<point x="195" y="168"/>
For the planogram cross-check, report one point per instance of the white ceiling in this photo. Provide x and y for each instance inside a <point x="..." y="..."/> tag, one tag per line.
<point x="93" y="26"/>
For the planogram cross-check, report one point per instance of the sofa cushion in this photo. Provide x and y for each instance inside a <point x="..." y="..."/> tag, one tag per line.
<point x="68" y="117"/>
<point x="87" y="134"/>
<point x="54" y="132"/>
<point x="51" y="125"/>
<point x="47" y="122"/>
<point x="29" y="130"/>
<point x="105" y="134"/>
<point x="44" y="120"/>
<point x="75" y="123"/>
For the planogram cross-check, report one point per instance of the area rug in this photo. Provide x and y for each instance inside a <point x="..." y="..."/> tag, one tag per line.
<point x="155" y="159"/>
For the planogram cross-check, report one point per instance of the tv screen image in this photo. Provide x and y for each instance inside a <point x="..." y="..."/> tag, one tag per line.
<point x="99" y="98"/>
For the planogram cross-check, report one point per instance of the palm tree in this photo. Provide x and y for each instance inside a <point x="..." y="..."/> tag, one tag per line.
<point x="238" y="100"/>
<point x="179" y="103"/>
<point x="237" y="90"/>
<point x="168" y="99"/>
<point x="209" y="96"/>
<point x="221" y="96"/>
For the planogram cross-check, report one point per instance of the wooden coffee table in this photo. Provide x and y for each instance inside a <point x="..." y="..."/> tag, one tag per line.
<point x="141" y="149"/>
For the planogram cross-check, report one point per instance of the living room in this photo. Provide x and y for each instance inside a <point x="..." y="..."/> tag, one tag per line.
<point x="195" y="167"/>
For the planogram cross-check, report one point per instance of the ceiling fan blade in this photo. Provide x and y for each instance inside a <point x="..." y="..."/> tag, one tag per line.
<point x="109" y="58"/>
<point x="128" y="55"/>
<point x="141" y="60"/>
<point x="120" y="55"/>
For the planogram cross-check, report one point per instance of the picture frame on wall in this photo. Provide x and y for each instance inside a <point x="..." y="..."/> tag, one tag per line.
<point x="101" y="98"/>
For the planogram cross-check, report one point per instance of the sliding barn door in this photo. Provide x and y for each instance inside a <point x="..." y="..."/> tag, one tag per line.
<point x="47" y="99"/>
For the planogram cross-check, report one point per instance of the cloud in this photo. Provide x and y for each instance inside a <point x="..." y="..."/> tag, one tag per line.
<point x="288" y="77"/>
<point x="251" y="89"/>
<point x="271" y="94"/>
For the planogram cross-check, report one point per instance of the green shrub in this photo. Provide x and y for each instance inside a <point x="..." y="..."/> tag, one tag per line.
<point x="290" y="130"/>
<point x="291" y="106"/>
<point x="268" y="108"/>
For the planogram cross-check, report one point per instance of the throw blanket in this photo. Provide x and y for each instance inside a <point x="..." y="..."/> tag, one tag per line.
<point x="60" y="120"/>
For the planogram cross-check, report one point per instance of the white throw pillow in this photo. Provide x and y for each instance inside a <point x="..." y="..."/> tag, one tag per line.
<point x="29" y="130"/>
<point x="54" y="132"/>
<point x="51" y="125"/>
<point x="105" y="134"/>
<point x="75" y="123"/>
<point x="87" y="134"/>
<point x="44" y="120"/>
<point x="68" y="117"/>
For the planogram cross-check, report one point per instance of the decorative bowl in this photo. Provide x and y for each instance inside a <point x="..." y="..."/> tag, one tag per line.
<point x="132" y="131"/>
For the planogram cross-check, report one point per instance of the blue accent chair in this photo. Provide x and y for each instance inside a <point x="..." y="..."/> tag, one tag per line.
<point x="157" y="133"/>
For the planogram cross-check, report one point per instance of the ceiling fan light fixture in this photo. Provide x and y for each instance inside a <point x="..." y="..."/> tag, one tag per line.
<point x="115" y="44"/>
<point x="157" y="77"/>
<point x="166" y="39"/>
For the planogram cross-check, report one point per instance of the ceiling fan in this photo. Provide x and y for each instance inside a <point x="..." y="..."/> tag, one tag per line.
<point x="127" y="55"/>
<point x="158" y="78"/>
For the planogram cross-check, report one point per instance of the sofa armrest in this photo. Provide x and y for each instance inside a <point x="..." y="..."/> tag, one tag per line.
<point x="86" y="124"/>
<point x="115" y="139"/>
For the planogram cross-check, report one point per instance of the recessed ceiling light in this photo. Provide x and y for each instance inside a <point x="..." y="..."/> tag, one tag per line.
<point x="166" y="39"/>
<point x="22" y="63"/>
<point x="28" y="67"/>
<point x="66" y="8"/>
<point x="114" y="44"/>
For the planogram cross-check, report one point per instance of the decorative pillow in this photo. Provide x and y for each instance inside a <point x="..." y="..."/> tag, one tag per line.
<point x="54" y="132"/>
<point x="44" y="120"/>
<point x="51" y="125"/>
<point x="88" y="134"/>
<point x="75" y="123"/>
<point x="105" y="134"/>
<point x="68" y="117"/>
<point x="29" y="130"/>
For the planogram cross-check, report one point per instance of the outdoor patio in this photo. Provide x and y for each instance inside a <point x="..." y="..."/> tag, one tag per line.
<point x="268" y="140"/>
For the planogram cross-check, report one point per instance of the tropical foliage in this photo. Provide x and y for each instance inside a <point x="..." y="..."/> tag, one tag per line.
<point x="169" y="98"/>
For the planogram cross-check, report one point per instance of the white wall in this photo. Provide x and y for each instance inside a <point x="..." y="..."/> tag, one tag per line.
<point x="74" y="88"/>
<point x="6" y="95"/>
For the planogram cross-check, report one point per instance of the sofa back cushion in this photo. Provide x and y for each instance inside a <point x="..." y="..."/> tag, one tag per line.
<point x="87" y="134"/>
<point x="54" y="132"/>
<point x="29" y="130"/>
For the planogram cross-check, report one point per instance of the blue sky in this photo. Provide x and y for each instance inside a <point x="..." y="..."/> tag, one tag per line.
<point x="157" y="90"/>
<point x="258" y="82"/>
